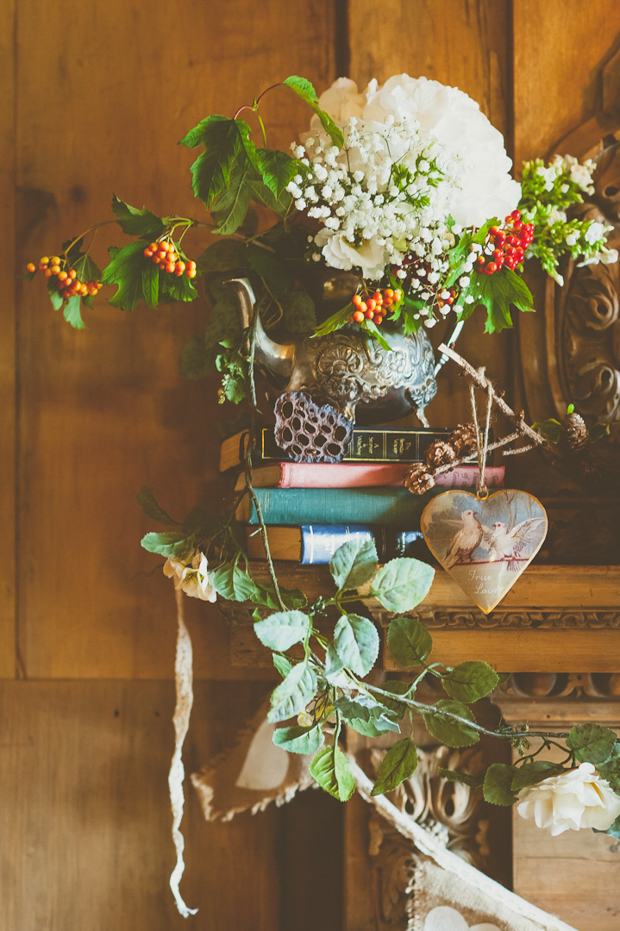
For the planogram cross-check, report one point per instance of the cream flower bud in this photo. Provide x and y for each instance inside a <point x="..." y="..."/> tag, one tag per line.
<point x="571" y="801"/>
<point x="191" y="576"/>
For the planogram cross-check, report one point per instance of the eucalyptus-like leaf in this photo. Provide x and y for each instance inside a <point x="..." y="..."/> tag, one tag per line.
<point x="409" y="641"/>
<point x="402" y="583"/>
<point x="293" y="694"/>
<point x="398" y="764"/>
<point x="395" y="687"/>
<point x="357" y="643"/>
<point x="448" y="731"/>
<point x="333" y="665"/>
<point x="299" y="739"/>
<point x="331" y="770"/>
<point x="497" y="785"/>
<point x="353" y="564"/>
<point x="368" y="719"/>
<point x="591" y="743"/>
<point x="281" y="630"/>
<point x="282" y="664"/>
<point x="470" y="681"/>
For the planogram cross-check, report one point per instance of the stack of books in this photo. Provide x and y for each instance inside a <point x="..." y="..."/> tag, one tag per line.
<point x="313" y="508"/>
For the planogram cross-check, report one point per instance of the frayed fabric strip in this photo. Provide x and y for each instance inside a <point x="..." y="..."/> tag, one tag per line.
<point x="184" y="701"/>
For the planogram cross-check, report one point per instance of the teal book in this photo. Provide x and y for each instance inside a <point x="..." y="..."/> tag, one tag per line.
<point x="385" y="507"/>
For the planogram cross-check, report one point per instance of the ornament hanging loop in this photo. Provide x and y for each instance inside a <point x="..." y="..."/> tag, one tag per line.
<point x="482" y="492"/>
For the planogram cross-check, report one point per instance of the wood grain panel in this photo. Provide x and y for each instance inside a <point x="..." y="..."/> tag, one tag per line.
<point x="463" y="43"/>
<point x="559" y="50"/>
<point x="105" y="90"/>
<point x="8" y="319"/>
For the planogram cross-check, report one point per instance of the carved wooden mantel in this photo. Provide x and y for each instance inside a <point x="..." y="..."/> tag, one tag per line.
<point x="555" y="619"/>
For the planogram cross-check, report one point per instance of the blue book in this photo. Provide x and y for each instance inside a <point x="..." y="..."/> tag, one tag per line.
<point x="384" y="506"/>
<point x="315" y="544"/>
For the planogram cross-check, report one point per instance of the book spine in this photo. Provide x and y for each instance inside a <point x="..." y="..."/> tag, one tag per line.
<point x="319" y="543"/>
<point x="366" y="475"/>
<point x="300" y="506"/>
<point x="371" y="445"/>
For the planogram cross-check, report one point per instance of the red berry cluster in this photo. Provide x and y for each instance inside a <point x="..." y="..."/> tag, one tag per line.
<point x="165" y="255"/>
<point x="442" y="301"/>
<point x="510" y="243"/>
<point x="374" y="307"/>
<point x="67" y="279"/>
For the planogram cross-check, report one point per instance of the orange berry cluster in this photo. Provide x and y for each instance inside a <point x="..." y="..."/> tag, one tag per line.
<point x="67" y="279"/>
<point x="165" y="255"/>
<point x="510" y="243"/>
<point x="374" y="307"/>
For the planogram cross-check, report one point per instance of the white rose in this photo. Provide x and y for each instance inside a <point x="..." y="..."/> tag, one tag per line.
<point x="191" y="576"/>
<point x="342" y="100"/>
<point x="339" y="253"/>
<point x="573" y="800"/>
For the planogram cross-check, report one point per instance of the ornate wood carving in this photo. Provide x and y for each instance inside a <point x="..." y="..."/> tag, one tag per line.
<point x="560" y="699"/>
<point x="452" y="811"/>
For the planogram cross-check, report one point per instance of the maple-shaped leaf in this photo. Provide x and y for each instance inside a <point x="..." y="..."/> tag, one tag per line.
<point x="177" y="287"/>
<point x="230" y="207"/>
<point x="136" y="222"/>
<point x="276" y="169"/>
<point x="227" y="145"/>
<point x="86" y="269"/>
<point x="304" y="89"/>
<point x="496" y="293"/>
<point x="125" y="270"/>
<point x="72" y="312"/>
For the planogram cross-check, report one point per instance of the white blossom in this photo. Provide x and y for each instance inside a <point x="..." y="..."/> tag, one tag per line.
<point x="191" y="576"/>
<point x="571" y="801"/>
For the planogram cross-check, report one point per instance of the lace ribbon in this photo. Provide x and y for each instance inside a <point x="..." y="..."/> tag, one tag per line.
<point x="184" y="700"/>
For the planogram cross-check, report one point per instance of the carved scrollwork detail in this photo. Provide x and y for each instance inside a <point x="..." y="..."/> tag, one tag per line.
<point x="573" y="685"/>
<point x="439" y="619"/>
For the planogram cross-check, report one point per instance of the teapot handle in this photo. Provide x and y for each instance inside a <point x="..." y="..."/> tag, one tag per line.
<point x="276" y="358"/>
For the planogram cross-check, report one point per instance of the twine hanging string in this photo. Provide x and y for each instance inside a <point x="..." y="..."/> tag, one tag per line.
<point x="482" y="492"/>
<point x="183" y="675"/>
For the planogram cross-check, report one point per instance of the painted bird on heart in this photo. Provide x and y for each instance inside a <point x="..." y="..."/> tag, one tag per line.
<point x="469" y="537"/>
<point x="511" y="545"/>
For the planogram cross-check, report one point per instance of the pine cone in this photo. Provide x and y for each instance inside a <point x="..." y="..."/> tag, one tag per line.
<point x="420" y="479"/>
<point x="440" y="453"/>
<point x="464" y="440"/>
<point x="576" y="431"/>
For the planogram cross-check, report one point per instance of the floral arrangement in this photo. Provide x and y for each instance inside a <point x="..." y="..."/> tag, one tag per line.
<point x="407" y="186"/>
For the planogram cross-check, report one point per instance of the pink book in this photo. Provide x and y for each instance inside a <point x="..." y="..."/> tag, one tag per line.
<point x="363" y="474"/>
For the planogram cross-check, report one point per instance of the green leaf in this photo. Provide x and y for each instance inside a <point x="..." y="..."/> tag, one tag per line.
<point x="353" y="564"/>
<point x="54" y="295"/>
<point x="168" y="544"/>
<point x="85" y="268"/>
<point x="335" y="322"/>
<point x="231" y="205"/>
<point x="275" y="273"/>
<point x="497" y="786"/>
<point x="304" y="89"/>
<point x="448" y="731"/>
<point x="227" y="144"/>
<point x="366" y="717"/>
<point x="331" y="770"/>
<point x="150" y="284"/>
<point x="357" y="643"/>
<point x="136" y="222"/>
<point x="125" y="270"/>
<point x="531" y="773"/>
<point x="233" y="583"/>
<point x="281" y="630"/>
<point x="293" y="694"/>
<point x="402" y="583"/>
<point x="470" y="681"/>
<point x="613" y="830"/>
<point x="72" y="312"/>
<point x="299" y="739"/>
<point x="466" y="778"/>
<point x="396" y="687"/>
<point x="151" y="508"/>
<point x="333" y="664"/>
<point x="591" y="743"/>
<point x="177" y="287"/>
<point x="398" y="764"/>
<point x="409" y="641"/>
<point x="282" y="664"/>
<point x="277" y="169"/>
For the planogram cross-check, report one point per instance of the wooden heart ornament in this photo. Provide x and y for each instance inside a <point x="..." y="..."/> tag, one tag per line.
<point x="484" y="543"/>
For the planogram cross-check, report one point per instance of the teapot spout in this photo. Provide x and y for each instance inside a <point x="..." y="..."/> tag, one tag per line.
<point x="277" y="358"/>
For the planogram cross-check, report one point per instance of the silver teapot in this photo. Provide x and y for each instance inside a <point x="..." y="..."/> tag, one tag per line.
<point x="347" y="368"/>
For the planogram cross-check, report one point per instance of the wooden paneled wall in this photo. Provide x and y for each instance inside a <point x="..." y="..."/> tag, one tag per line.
<point x="96" y="95"/>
